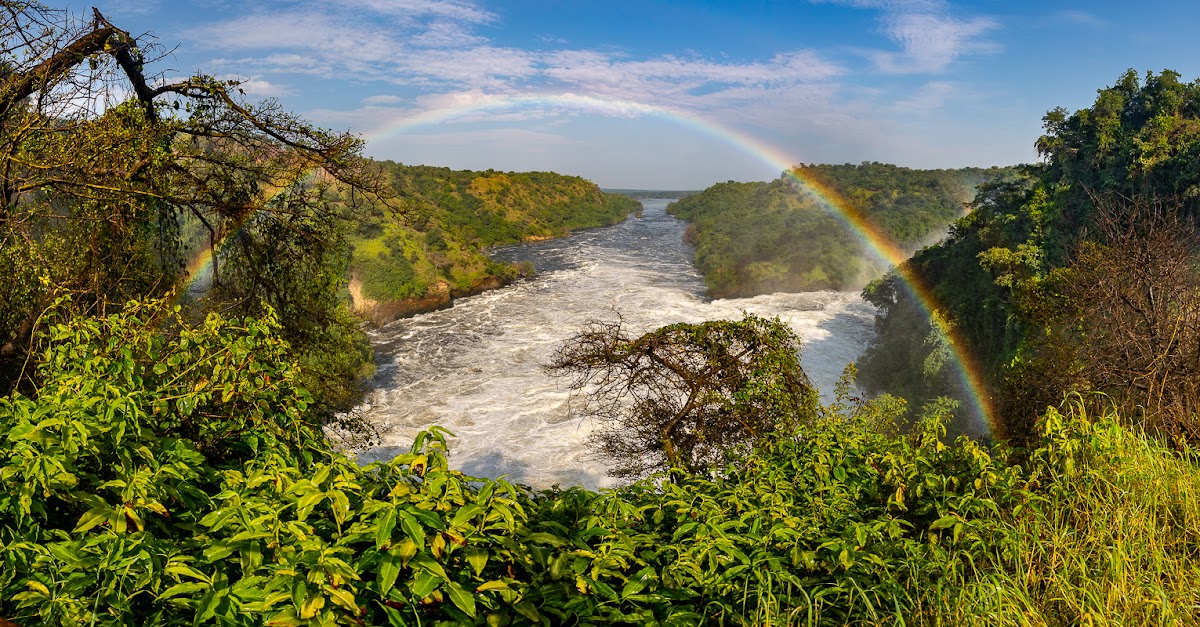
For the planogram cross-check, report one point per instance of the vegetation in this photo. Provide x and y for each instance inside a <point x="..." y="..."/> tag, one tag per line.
<point x="1077" y="275"/>
<point x="165" y="463"/>
<point x="452" y="217"/>
<point x="119" y="201"/>
<point x="96" y="195"/>
<point x="686" y="396"/>
<point x="172" y="479"/>
<point x="755" y="238"/>
<point x="646" y="194"/>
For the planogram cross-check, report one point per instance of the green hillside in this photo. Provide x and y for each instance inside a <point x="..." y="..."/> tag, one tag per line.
<point x="1078" y="275"/>
<point x="755" y="238"/>
<point x="435" y="246"/>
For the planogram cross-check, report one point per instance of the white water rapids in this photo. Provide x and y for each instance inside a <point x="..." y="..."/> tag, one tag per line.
<point x="476" y="368"/>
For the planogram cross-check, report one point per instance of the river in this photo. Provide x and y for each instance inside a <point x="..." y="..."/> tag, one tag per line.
<point x="476" y="368"/>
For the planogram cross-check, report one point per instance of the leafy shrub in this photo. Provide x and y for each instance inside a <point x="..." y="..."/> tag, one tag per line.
<point x="198" y="494"/>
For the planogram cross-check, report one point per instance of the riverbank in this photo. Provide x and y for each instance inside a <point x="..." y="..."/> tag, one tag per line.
<point x="434" y="248"/>
<point x="440" y="296"/>
<point x="477" y="367"/>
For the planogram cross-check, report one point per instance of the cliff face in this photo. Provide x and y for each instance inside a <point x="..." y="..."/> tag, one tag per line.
<point x="434" y="250"/>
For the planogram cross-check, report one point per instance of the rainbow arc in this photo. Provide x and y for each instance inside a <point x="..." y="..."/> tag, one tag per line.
<point x="967" y="370"/>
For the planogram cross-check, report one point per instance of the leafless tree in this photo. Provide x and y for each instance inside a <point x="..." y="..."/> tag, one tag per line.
<point x="1134" y="286"/>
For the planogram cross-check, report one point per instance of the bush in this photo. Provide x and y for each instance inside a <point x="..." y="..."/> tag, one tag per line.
<point x="197" y="494"/>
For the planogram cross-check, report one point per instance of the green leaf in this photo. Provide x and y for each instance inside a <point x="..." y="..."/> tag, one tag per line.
<point x="389" y="569"/>
<point x="218" y="552"/>
<point x="423" y="584"/>
<point x="528" y="610"/>
<point x="307" y="502"/>
<point x="412" y="528"/>
<point x="383" y="531"/>
<point x="95" y="516"/>
<point x="207" y="607"/>
<point x="944" y="522"/>
<point x="462" y="599"/>
<point x="638" y="582"/>
<point x="542" y="537"/>
<point x="604" y="589"/>
<point x="465" y="514"/>
<point x="477" y="558"/>
<point x="490" y="586"/>
<point x="180" y="589"/>
<point x="187" y="571"/>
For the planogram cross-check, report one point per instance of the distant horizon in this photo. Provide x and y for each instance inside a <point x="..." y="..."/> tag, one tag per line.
<point x="653" y="93"/>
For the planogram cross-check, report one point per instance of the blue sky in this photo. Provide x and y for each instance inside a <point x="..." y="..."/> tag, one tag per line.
<point x="657" y="94"/>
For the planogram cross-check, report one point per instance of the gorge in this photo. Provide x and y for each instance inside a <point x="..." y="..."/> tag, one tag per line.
<point x="476" y="368"/>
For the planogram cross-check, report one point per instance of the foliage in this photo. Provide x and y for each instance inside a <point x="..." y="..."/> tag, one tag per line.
<point x="999" y="277"/>
<point x="452" y="216"/>
<point x="685" y="396"/>
<point x="111" y="181"/>
<point x="746" y="234"/>
<point x="167" y="474"/>
<point x="1127" y="319"/>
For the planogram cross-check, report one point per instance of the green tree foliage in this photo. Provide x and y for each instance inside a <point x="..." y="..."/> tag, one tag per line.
<point x="452" y="217"/>
<point x="754" y="238"/>
<point x="999" y="276"/>
<point x="685" y="396"/>
<point x="106" y="200"/>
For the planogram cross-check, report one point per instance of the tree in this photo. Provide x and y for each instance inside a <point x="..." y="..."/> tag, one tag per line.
<point x="1134" y="291"/>
<point x="685" y="396"/>
<point x="109" y="180"/>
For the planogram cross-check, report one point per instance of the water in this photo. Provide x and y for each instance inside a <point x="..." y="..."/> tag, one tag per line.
<point x="476" y="368"/>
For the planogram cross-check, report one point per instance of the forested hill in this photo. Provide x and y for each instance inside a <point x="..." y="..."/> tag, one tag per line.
<point x="435" y="247"/>
<point x="647" y="194"/>
<point x="1078" y="276"/>
<point x="756" y="238"/>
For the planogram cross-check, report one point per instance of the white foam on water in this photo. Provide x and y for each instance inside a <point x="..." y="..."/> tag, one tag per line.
<point x="477" y="368"/>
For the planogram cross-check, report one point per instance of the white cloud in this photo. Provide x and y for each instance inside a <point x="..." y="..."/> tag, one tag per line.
<point x="446" y="74"/>
<point x="677" y="75"/>
<point x="383" y="99"/>
<point x="929" y="43"/>
<point x="930" y="39"/>
<point x="450" y="9"/>
<point x="479" y="66"/>
<point x="929" y="97"/>
<point x="444" y="34"/>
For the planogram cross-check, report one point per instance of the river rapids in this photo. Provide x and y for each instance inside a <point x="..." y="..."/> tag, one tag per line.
<point x="476" y="368"/>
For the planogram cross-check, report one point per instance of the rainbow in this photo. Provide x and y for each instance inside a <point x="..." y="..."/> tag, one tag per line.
<point x="968" y="370"/>
<point x="468" y="107"/>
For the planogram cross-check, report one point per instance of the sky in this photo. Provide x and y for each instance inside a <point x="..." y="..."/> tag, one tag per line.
<point x="654" y="94"/>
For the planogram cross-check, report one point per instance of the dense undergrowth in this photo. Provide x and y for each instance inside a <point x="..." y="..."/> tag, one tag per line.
<point x="168" y="475"/>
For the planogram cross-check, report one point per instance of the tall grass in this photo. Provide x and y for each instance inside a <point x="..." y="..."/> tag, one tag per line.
<point x="1111" y="537"/>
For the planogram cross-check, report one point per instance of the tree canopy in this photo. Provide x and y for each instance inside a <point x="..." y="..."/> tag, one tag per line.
<point x="755" y="238"/>
<point x="112" y="179"/>
<point x="1003" y="277"/>
<point x="685" y="396"/>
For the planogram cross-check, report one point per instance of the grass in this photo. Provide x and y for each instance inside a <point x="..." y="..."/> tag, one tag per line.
<point x="1113" y="538"/>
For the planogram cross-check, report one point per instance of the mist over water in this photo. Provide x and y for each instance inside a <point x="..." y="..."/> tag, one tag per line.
<point x="476" y="368"/>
